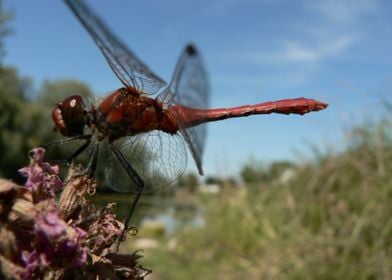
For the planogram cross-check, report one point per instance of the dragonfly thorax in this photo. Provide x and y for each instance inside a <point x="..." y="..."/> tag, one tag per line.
<point x="124" y="113"/>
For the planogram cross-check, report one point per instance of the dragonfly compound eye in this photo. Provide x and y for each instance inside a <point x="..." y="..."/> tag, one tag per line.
<point x="69" y="116"/>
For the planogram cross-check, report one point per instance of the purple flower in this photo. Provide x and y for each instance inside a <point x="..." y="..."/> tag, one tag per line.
<point x="57" y="244"/>
<point x="49" y="225"/>
<point x="44" y="237"/>
<point x="42" y="177"/>
<point x="106" y="230"/>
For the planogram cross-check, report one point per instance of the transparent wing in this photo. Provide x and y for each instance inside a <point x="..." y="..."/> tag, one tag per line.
<point x="131" y="71"/>
<point x="189" y="87"/>
<point x="159" y="159"/>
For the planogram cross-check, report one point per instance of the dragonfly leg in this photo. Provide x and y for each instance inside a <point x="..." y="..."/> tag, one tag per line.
<point x="92" y="163"/>
<point x="67" y="140"/>
<point x="137" y="180"/>
<point x="79" y="150"/>
<point x="87" y="137"/>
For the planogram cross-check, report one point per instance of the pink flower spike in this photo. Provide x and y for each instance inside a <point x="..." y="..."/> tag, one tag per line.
<point x="42" y="177"/>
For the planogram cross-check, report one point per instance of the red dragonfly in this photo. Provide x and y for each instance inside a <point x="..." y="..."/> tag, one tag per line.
<point x="146" y="123"/>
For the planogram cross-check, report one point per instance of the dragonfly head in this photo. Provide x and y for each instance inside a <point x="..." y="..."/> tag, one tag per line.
<point x="70" y="116"/>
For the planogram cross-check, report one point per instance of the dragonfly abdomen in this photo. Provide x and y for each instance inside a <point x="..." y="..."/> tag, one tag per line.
<point x="189" y="117"/>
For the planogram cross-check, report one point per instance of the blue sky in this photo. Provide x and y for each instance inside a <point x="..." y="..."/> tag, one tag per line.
<point x="336" y="51"/>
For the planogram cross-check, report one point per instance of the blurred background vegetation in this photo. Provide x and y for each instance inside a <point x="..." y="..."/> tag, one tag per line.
<point x="327" y="218"/>
<point x="331" y="218"/>
<point x="25" y="113"/>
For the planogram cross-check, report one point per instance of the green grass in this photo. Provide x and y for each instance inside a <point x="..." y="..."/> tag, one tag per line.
<point x="333" y="220"/>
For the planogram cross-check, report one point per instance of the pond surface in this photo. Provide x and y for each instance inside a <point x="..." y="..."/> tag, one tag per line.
<point x="172" y="212"/>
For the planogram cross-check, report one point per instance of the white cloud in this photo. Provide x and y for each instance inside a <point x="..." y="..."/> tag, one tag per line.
<point x="346" y="12"/>
<point x="297" y="52"/>
<point x="331" y="28"/>
<point x="300" y="51"/>
<point x="319" y="32"/>
<point x="221" y="7"/>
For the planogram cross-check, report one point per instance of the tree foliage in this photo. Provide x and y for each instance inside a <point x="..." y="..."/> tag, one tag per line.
<point x="55" y="91"/>
<point x="15" y="116"/>
<point x="189" y="181"/>
<point x="255" y="172"/>
<point x="24" y="123"/>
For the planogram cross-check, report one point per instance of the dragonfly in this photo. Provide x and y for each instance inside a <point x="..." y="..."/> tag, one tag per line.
<point x="147" y="124"/>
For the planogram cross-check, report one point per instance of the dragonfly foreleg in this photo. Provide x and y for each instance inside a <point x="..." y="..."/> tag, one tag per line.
<point x="87" y="137"/>
<point x="67" y="140"/>
<point x="79" y="150"/>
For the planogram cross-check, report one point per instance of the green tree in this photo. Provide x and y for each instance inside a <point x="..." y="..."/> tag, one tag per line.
<point x="255" y="172"/>
<point x="16" y="115"/>
<point x="55" y="91"/>
<point x="214" y="180"/>
<point x="252" y="172"/>
<point x="276" y="169"/>
<point x="189" y="181"/>
<point x="25" y="124"/>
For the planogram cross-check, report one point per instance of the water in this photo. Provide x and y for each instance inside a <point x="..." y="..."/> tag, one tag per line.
<point x="172" y="212"/>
